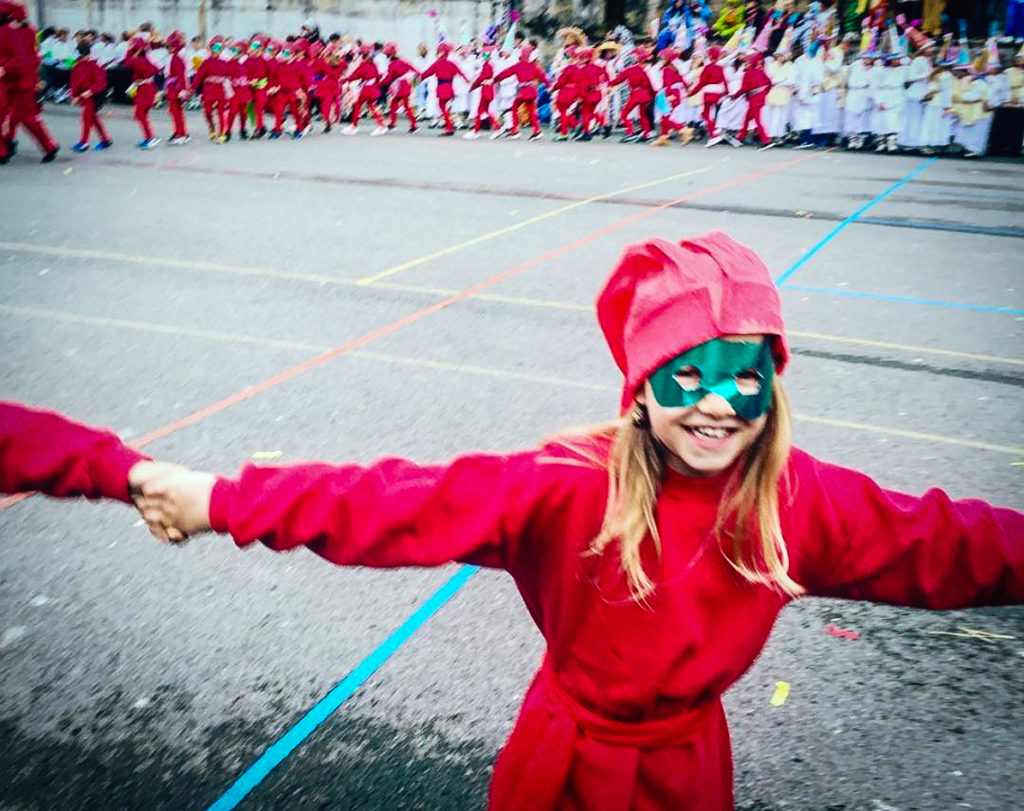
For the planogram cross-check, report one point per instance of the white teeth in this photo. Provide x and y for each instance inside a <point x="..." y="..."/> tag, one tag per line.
<point x="710" y="433"/>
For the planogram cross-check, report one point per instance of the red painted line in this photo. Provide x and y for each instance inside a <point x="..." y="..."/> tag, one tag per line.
<point x="412" y="318"/>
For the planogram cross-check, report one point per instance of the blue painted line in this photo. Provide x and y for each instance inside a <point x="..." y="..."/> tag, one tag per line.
<point x="950" y="305"/>
<point x="322" y="710"/>
<point x="835" y="231"/>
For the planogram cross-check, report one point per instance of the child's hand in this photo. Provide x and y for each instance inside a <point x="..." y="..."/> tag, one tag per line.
<point x="175" y="502"/>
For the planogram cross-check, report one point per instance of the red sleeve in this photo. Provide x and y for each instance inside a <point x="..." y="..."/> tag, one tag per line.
<point x="201" y="73"/>
<point x="506" y="73"/>
<point x="851" y="538"/>
<point x="99" y="79"/>
<point x="619" y="78"/>
<point x="391" y="513"/>
<point x="430" y="71"/>
<point x="42" y="450"/>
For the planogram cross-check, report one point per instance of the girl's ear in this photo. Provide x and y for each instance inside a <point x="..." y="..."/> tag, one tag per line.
<point x="641" y="396"/>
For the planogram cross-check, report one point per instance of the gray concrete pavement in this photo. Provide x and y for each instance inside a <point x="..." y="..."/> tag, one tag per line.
<point x="141" y="287"/>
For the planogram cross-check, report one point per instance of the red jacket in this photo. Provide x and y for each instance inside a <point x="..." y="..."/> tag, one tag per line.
<point x="257" y="68"/>
<point x="673" y="83"/>
<point x="177" y="75"/>
<point x="291" y="76"/>
<point x="626" y="711"/>
<point x="755" y="87"/>
<point x="19" y="57"/>
<point x="567" y="84"/>
<point x="329" y="83"/>
<point x="485" y="81"/>
<point x="87" y="75"/>
<point x="397" y="77"/>
<point x="142" y="69"/>
<point x="712" y="82"/>
<point x="241" y="84"/>
<point x="591" y="77"/>
<point x="213" y="76"/>
<point x="445" y="70"/>
<point x="528" y="74"/>
<point x="640" y="87"/>
<point x="45" y="451"/>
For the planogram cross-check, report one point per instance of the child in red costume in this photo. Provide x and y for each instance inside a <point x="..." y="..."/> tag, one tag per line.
<point x="292" y="78"/>
<point x="755" y="87"/>
<point x="365" y="72"/>
<point x="176" y="88"/>
<point x="19" y="75"/>
<point x="257" y="67"/>
<point x="567" y="94"/>
<point x="399" y="85"/>
<point x="143" y="89"/>
<point x="713" y="84"/>
<point x="88" y="83"/>
<point x="641" y="94"/>
<point x="484" y="81"/>
<point x="329" y="68"/>
<point x="445" y="70"/>
<point x="673" y="86"/>
<point x="241" y="90"/>
<point x="214" y="77"/>
<point x="591" y="80"/>
<point x="530" y="77"/>
<point x="654" y="553"/>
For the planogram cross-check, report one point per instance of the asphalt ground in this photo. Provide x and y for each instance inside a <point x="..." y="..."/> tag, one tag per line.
<point x="443" y="291"/>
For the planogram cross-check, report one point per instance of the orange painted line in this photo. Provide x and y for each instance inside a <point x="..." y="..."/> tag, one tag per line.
<point x="412" y="318"/>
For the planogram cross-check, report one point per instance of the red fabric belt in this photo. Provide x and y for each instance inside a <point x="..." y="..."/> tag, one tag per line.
<point x="534" y="768"/>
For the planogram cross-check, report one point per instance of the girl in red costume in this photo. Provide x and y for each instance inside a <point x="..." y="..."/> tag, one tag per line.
<point x="714" y="87"/>
<point x="143" y="89"/>
<point x="485" y="82"/>
<point x="176" y="89"/>
<point x="641" y="94"/>
<point x="567" y="94"/>
<point x="529" y="76"/>
<point x="214" y="77"/>
<point x="592" y="79"/>
<point x="241" y="90"/>
<point x="19" y="75"/>
<point x="292" y="79"/>
<point x="399" y="85"/>
<point x="755" y="87"/>
<point x="445" y="70"/>
<point x="673" y="85"/>
<point x="88" y="83"/>
<point x="368" y="75"/>
<point x="654" y="552"/>
<point x="257" y="67"/>
<point x="329" y="68"/>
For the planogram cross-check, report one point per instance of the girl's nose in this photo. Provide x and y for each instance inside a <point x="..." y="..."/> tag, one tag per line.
<point x="715" y="405"/>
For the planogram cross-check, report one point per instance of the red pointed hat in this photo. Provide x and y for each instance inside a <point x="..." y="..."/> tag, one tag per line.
<point x="664" y="298"/>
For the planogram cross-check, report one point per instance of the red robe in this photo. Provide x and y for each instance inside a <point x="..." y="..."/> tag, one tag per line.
<point x="45" y="451"/>
<point x="591" y="77"/>
<point x="712" y="83"/>
<point x="567" y="85"/>
<point x="87" y="75"/>
<point x="445" y="70"/>
<point x="755" y="86"/>
<point x="397" y="78"/>
<point x="528" y="74"/>
<point x="641" y="91"/>
<point x="213" y="75"/>
<point x="626" y="711"/>
<point x="485" y="81"/>
<point x="367" y="73"/>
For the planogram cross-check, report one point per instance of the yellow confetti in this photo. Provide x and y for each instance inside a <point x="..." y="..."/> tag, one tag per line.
<point x="1016" y="464"/>
<point x="68" y="171"/>
<point x="267" y="454"/>
<point x="781" y="693"/>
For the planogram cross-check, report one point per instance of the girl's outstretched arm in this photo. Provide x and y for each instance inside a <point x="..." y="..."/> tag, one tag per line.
<point x="850" y="538"/>
<point x="45" y="451"/>
<point x="391" y="513"/>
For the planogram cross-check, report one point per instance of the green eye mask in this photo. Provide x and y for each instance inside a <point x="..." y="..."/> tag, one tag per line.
<point x="740" y="373"/>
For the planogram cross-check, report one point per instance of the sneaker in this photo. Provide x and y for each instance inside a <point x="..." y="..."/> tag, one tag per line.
<point x="413" y="129"/>
<point x="274" y="135"/>
<point x="50" y="155"/>
<point x="586" y="137"/>
<point x="260" y="132"/>
<point x="716" y="140"/>
<point x="102" y="146"/>
<point x="805" y="145"/>
<point x="629" y="139"/>
<point x="212" y="135"/>
<point x="12" y="147"/>
<point x="80" y="147"/>
<point x="222" y="138"/>
<point x="446" y="134"/>
<point x="296" y="135"/>
<point x="178" y="140"/>
<point x="661" y="140"/>
<point x="769" y="145"/>
<point x="379" y="130"/>
<point x="537" y="136"/>
<point x="148" y="143"/>
<point x="351" y="129"/>
<point x="513" y="136"/>
<point x="498" y="134"/>
<point x="733" y="142"/>
<point x="327" y="128"/>
<point x="471" y="136"/>
<point x="244" y="135"/>
<point x="643" y="139"/>
<point x="559" y="138"/>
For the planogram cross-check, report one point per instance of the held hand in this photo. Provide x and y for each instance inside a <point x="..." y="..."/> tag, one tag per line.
<point x="141" y="474"/>
<point x="178" y="504"/>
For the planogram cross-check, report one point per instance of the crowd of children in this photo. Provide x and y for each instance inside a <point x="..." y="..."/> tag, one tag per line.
<point x="785" y="83"/>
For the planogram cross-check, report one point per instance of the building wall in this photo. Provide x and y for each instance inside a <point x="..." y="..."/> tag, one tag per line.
<point x="403" y="21"/>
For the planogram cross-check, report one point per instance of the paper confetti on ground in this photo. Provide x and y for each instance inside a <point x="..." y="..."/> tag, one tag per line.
<point x="781" y="693"/>
<point x="842" y="633"/>
<point x="974" y="633"/>
<point x="267" y="454"/>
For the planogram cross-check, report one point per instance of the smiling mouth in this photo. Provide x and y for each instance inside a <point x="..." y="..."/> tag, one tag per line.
<point x="709" y="433"/>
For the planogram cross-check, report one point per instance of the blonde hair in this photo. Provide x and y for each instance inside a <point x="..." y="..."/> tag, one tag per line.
<point x="747" y="529"/>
